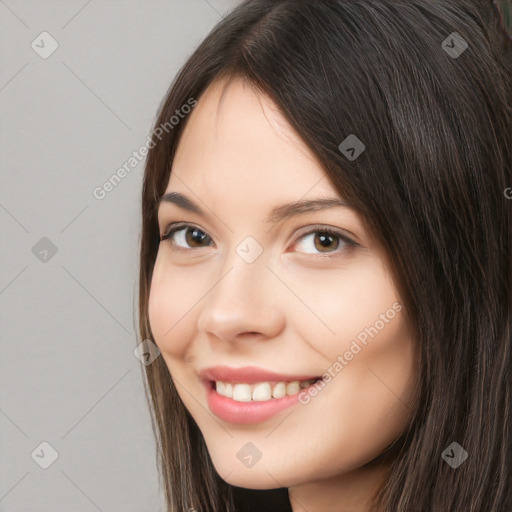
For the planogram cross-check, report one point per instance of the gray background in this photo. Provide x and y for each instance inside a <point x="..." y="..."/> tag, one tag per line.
<point x="68" y="321"/>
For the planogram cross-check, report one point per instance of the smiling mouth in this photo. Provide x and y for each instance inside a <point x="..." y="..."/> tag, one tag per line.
<point x="260" y="391"/>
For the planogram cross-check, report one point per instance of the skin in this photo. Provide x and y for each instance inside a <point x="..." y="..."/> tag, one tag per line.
<point x="293" y="310"/>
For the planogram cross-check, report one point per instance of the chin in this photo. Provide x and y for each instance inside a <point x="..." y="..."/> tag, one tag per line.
<point x="258" y="481"/>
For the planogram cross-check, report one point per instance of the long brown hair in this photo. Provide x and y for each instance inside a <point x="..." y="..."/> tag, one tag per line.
<point x="430" y="185"/>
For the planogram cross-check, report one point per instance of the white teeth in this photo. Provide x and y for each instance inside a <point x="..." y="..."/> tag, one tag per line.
<point x="220" y="388"/>
<point x="279" y="390"/>
<point x="242" y="392"/>
<point x="292" y="387"/>
<point x="224" y="388"/>
<point x="260" y="392"/>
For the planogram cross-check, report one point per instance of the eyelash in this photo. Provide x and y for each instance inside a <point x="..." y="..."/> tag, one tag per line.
<point x="314" y="229"/>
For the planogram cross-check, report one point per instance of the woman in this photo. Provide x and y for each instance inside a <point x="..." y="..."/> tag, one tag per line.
<point x="326" y="260"/>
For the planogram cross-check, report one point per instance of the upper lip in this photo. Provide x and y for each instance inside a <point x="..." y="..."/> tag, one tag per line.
<point x="248" y="375"/>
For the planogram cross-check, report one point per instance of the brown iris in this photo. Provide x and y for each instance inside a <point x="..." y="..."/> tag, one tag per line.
<point x="325" y="241"/>
<point x="194" y="237"/>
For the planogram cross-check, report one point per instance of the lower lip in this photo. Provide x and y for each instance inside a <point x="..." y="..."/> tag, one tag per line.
<point x="245" y="413"/>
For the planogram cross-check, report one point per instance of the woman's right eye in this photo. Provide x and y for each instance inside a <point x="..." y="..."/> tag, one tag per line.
<point x="186" y="236"/>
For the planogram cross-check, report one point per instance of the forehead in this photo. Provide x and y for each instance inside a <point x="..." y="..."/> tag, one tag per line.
<point x="237" y="139"/>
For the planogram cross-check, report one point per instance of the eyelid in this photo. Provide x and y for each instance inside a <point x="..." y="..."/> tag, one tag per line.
<point x="315" y="228"/>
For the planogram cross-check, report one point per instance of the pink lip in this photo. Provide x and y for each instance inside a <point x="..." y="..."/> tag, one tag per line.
<point x="248" y="375"/>
<point x="246" y="412"/>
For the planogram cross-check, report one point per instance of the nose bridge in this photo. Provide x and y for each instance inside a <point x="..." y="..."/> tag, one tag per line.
<point x="244" y="267"/>
<point x="242" y="300"/>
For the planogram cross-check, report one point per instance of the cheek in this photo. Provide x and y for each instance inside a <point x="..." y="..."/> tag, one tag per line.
<point x="346" y="302"/>
<point x="171" y="307"/>
<point x="370" y="356"/>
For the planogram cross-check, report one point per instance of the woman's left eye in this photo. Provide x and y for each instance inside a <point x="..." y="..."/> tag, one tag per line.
<point x="325" y="240"/>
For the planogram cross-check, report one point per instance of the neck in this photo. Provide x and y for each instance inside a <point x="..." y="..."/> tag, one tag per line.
<point x="349" y="492"/>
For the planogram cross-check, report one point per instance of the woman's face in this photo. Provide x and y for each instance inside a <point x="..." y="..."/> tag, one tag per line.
<point x="250" y="284"/>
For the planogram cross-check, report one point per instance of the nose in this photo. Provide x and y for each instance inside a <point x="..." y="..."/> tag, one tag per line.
<point x="244" y="302"/>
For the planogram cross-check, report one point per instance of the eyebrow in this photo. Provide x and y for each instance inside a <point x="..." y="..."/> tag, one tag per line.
<point x="278" y="213"/>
